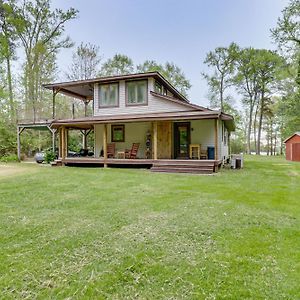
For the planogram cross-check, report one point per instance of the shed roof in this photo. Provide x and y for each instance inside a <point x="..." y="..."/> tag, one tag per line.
<point x="163" y="116"/>
<point x="84" y="89"/>
<point x="296" y="133"/>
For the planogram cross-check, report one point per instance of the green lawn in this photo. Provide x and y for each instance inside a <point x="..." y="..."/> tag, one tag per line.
<point x="80" y="233"/>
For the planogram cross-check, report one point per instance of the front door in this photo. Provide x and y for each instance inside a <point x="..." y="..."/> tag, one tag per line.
<point x="182" y="140"/>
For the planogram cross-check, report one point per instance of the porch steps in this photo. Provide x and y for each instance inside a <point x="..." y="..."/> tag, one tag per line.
<point x="56" y="163"/>
<point x="189" y="166"/>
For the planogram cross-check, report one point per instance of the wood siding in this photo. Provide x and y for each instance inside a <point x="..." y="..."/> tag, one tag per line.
<point x="293" y="148"/>
<point x="155" y="104"/>
<point x="164" y="139"/>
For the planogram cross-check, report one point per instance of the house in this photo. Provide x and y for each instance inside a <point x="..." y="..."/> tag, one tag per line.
<point x="292" y="145"/>
<point x="145" y="110"/>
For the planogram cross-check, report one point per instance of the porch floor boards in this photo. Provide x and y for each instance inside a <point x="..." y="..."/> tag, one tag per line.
<point x="160" y="165"/>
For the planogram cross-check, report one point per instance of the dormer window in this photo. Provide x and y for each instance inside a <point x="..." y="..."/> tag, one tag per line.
<point x="160" y="89"/>
<point x="137" y="92"/>
<point x="109" y="95"/>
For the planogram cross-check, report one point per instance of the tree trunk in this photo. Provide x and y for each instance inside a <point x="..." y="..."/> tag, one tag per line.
<point x="254" y="127"/>
<point x="260" y="122"/>
<point x="10" y="91"/>
<point x="249" y="130"/>
<point x="221" y="93"/>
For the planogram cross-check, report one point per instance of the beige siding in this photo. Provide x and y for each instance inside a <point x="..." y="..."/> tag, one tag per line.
<point x="203" y="133"/>
<point x="134" y="133"/>
<point x="155" y="104"/>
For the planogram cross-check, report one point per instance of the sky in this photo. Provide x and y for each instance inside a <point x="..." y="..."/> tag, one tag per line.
<point x="182" y="32"/>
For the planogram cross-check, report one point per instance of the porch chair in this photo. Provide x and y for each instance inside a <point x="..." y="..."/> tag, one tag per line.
<point x="111" y="149"/>
<point x="131" y="154"/>
<point x="203" y="154"/>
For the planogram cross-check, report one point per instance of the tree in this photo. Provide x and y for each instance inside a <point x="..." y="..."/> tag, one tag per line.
<point x="118" y="65"/>
<point x="287" y="32"/>
<point x="268" y="66"/>
<point x="247" y="84"/>
<point x="222" y="60"/>
<point x="85" y="62"/>
<point x="41" y="34"/>
<point x="170" y="71"/>
<point x="287" y="35"/>
<point x="8" y="40"/>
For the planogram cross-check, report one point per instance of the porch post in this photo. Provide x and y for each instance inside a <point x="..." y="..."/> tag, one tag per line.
<point x="59" y="142"/>
<point x="216" y="138"/>
<point x="53" y="103"/>
<point x="155" y="140"/>
<point x="53" y="139"/>
<point x="19" y="131"/>
<point x="105" y="144"/>
<point x="66" y="141"/>
<point x="63" y="143"/>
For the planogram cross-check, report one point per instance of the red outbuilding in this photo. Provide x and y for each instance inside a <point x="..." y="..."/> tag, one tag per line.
<point x="292" y="147"/>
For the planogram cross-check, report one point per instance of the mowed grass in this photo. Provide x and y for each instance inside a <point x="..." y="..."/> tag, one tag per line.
<point x="90" y="233"/>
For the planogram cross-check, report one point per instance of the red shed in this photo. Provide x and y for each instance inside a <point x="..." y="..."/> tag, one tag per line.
<point x="292" y="147"/>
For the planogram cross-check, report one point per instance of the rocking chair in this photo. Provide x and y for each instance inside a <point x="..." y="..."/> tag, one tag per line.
<point x="131" y="154"/>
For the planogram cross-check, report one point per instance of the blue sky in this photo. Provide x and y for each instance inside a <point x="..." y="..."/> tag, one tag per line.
<point x="177" y="31"/>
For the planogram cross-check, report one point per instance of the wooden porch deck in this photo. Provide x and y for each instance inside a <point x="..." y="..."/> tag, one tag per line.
<point x="160" y="165"/>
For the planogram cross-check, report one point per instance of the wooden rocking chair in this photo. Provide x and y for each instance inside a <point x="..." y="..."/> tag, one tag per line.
<point x="111" y="149"/>
<point x="131" y="154"/>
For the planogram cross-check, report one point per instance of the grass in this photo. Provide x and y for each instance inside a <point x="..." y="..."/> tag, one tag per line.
<point x="79" y="233"/>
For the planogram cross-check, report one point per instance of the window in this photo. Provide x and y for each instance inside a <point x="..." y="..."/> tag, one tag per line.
<point x="108" y="95"/>
<point x="136" y="92"/>
<point x="117" y="133"/>
<point x="160" y="89"/>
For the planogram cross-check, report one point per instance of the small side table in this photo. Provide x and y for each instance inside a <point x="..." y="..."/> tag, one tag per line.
<point x="121" y="154"/>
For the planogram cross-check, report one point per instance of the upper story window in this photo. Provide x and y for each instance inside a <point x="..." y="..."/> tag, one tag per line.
<point x="109" y="95"/>
<point x="160" y="89"/>
<point x="137" y="92"/>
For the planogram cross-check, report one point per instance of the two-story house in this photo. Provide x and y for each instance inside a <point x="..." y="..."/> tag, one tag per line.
<point x="145" y="112"/>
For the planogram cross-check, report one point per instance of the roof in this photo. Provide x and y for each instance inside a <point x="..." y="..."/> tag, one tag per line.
<point x="84" y="89"/>
<point x="296" y="133"/>
<point x="85" y="123"/>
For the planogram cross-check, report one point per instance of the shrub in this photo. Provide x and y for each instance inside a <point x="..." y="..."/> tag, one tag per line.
<point x="49" y="156"/>
<point x="9" y="158"/>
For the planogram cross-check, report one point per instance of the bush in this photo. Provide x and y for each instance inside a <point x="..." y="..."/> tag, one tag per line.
<point x="49" y="156"/>
<point x="9" y="158"/>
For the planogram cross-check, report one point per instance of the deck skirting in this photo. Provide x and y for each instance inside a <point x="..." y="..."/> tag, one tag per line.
<point x="159" y="165"/>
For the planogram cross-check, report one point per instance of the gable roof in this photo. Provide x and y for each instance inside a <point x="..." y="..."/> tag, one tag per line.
<point x="84" y="89"/>
<point x="296" y="133"/>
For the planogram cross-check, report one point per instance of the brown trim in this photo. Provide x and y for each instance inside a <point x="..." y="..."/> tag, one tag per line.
<point x="167" y="116"/>
<point x="176" y="125"/>
<point x="126" y="94"/>
<point x="118" y="96"/>
<point x="112" y="131"/>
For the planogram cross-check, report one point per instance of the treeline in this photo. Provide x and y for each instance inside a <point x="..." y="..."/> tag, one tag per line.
<point x="258" y="86"/>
